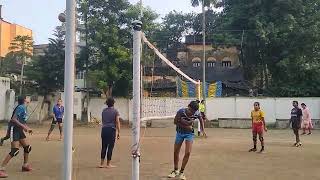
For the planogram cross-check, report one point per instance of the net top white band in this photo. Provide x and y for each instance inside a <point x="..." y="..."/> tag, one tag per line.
<point x="167" y="61"/>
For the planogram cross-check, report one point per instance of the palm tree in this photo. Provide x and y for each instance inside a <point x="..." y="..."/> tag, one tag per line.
<point x="204" y="3"/>
<point x="22" y="47"/>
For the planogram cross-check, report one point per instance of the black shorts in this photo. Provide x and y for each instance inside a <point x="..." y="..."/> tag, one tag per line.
<point x="59" y="121"/>
<point x="16" y="133"/>
<point x="296" y="125"/>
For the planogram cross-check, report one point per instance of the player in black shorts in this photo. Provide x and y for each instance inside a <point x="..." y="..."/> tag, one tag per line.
<point x="18" y="137"/>
<point x="295" y="121"/>
<point x="58" y="114"/>
<point x="9" y="125"/>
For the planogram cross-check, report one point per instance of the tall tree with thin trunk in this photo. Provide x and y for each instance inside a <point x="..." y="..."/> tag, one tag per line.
<point x="21" y="48"/>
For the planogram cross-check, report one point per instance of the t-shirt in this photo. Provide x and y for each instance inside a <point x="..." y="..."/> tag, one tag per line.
<point x="109" y="117"/>
<point x="21" y="114"/>
<point x="257" y="116"/>
<point x="201" y="107"/>
<point x="58" y="111"/>
<point x="296" y="114"/>
<point x="183" y="114"/>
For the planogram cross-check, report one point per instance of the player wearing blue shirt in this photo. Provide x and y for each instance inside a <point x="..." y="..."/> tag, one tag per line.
<point x="58" y="114"/>
<point x="17" y="128"/>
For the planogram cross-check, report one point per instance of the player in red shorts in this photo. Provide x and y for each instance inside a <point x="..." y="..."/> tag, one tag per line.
<point x="258" y="126"/>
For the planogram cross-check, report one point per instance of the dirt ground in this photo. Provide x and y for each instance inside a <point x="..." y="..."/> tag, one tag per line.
<point x="222" y="156"/>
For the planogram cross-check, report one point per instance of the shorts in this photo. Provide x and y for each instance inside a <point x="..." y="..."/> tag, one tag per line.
<point x="296" y="125"/>
<point x="257" y="128"/>
<point x="16" y="133"/>
<point x="59" y="121"/>
<point x="180" y="137"/>
<point x="203" y="116"/>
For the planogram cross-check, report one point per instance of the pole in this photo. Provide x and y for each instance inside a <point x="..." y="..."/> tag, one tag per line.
<point x="204" y="54"/>
<point x="69" y="87"/>
<point x="87" y="60"/>
<point x="22" y="74"/>
<point x="141" y="10"/>
<point x="137" y="25"/>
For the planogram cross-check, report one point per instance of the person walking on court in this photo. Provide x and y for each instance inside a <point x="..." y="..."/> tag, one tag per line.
<point x="295" y="122"/>
<point x="58" y="114"/>
<point x="7" y="136"/>
<point x="184" y="121"/>
<point x="306" y="119"/>
<point x="109" y="132"/>
<point x="18" y="137"/>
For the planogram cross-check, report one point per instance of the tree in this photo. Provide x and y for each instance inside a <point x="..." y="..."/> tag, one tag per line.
<point x="173" y="28"/>
<point x="110" y="42"/>
<point x="280" y="45"/>
<point x="48" y="70"/>
<point x="21" y="49"/>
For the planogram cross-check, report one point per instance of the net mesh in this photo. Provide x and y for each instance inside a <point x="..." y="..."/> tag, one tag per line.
<point x="158" y="107"/>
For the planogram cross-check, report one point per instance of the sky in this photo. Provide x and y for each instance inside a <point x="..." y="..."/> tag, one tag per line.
<point x="41" y="15"/>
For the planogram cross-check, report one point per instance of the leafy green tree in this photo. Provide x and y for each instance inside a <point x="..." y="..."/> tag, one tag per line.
<point x="48" y="70"/>
<point x="15" y="61"/>
<point x="280" y="45"/>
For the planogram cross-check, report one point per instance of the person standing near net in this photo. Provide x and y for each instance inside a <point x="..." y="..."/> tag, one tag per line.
<point x="295" y="122"/>
<point x="18" y="137"/>
<point x="109" y="132"/>
<point x="184" y="121"/>
<point x="306" y="119"/>
<point x="58" y="114"/>
<point x="258" y="126"/>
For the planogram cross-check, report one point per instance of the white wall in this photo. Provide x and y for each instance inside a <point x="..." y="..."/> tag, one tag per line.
<point x="233" y="107"/>
<point x="96" y="105"/>
<point x="6" y="98"/>
<point x="77" y="104"/>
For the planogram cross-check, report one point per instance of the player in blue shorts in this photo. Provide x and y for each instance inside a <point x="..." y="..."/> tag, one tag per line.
<point x="184" y="121"/>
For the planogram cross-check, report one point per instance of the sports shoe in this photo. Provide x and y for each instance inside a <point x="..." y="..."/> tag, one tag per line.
<point x="3" y="174"/>
<point x="26" y="168"/>
<point x="182" y="176"/>
<point x="298" y="144"/>
<point x="261" y="151"/>
<point x="309" y="133"/>
<point x="303" y="133"/>
<point x="253" y="150"/>
<point x="173" y="174"/>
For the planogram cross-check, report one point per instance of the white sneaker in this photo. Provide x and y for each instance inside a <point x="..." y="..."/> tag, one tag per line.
<point x="182" y="176"/>
<point x="173" y="174"/>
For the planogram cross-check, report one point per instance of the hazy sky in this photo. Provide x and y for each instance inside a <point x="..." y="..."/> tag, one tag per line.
<point x="41" y="15"/>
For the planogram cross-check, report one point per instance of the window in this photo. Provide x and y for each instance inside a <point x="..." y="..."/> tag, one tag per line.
<point x="80" y="75"/>
<point x="196" y="64"/>
<point x="211" y="61"/>
<point x="226" y="63"/>
<point x="211" y="64"/>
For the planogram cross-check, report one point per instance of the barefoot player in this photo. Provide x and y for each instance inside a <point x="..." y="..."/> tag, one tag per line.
<point x="184" y="121"/>
<point x="258" y="126"/>
<point x="109" y="132"/>
<point x="18" y="137"/>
